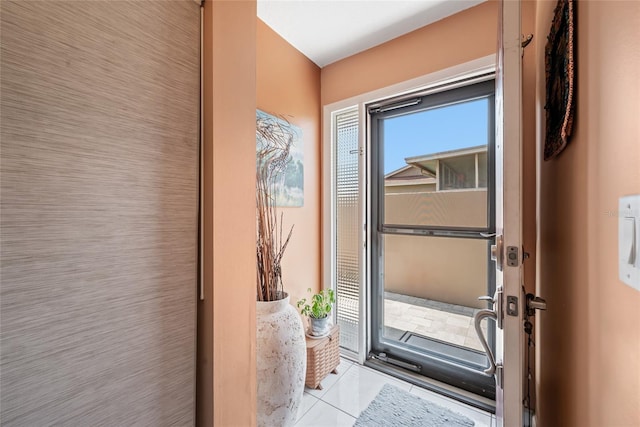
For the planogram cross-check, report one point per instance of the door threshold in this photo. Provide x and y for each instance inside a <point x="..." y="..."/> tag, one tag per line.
<point x="441" y="388"/>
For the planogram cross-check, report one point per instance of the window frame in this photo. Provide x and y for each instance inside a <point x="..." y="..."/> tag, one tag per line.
<point x="446" y="96"/>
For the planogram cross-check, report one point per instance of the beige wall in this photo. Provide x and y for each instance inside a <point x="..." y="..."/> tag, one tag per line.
<point x="395" y="189"/>
<point x="430" y="267"/>
<point x="288" y="83"/>
<point x="441" y="269"/>
<point x="588" y="340"/>
<point x="226" y="386"/>
<point x="437" y="208"/>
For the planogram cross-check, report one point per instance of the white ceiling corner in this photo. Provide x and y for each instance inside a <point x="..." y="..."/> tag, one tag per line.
<point x="329" y="30"/>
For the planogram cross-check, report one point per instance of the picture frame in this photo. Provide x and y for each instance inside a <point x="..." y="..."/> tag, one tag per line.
<point x="290" y="191"/>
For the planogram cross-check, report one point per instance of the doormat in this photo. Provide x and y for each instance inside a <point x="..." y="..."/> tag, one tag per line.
<point x="394" y="407"/>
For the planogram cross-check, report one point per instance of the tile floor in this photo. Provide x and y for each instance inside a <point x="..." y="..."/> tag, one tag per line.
<point x="345" y="395"/>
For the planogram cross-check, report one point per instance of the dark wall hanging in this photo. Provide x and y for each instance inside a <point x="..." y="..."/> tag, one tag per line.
<point x="560" y="79"/>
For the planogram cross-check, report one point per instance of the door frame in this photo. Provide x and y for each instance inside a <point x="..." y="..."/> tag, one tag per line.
<point x="467" y="376"/>
<point x="508" y="412"/>
<point x="448" y="76"/>
<point x="509" y="390"/>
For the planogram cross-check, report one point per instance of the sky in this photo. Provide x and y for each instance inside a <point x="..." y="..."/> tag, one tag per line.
<point x="432" y="131"/>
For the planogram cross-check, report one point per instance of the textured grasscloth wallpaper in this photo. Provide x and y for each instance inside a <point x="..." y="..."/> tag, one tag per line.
<point x="99" y="175"/>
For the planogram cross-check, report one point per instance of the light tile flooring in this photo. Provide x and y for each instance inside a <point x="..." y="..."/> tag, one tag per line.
<point x="450" y="327"/>
<point x="345" y="395"/>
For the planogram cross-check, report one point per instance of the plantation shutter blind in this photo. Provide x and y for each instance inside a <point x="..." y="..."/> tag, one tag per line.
<point x="99" y="185"/>
<point x="348" y="225"/>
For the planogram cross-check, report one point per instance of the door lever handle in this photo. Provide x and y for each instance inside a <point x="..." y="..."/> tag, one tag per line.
<point x="481" y="314"/>
<point x="535" y="303"/>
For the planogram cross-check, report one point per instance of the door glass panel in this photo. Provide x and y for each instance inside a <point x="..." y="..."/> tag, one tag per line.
<point x="462" y="208"/>
<point x="432" y="226"/>
<point x="347" y="213"/>
<point x="435" y="168"/>
<point x="431" y="288"/>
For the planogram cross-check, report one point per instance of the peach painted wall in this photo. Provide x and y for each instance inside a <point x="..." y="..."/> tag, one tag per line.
<point x="226" y="384"/>
<point x="462" y="37"/>
<point x="588" y="339"/>
<point x="288" y="83"/>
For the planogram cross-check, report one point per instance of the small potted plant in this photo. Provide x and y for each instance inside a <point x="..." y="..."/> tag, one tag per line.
<point x="318" y="310"/>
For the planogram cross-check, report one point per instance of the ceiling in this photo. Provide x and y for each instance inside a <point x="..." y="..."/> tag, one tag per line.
<point x="329" y="30"/>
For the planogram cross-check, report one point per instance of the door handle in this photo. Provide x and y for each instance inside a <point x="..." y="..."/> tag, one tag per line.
<point x="496" y="300"/>
<point x="477" y="318"/>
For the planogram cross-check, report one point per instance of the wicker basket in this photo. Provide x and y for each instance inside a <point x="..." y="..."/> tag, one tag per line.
<point x="323" y="357"/>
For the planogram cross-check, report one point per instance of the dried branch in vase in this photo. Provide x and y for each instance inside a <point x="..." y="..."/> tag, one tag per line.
<point x="274" y="137"/>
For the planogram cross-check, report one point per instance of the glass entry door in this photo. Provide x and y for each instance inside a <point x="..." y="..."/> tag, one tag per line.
<point x="433" y="222"/>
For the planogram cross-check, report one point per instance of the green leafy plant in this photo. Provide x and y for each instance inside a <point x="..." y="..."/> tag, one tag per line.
<point x="320" y="305"/>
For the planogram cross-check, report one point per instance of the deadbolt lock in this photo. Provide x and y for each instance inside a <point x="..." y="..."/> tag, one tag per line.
<point x="513" y="256"/>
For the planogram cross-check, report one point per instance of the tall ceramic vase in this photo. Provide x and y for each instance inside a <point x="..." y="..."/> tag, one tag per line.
<point x="282" y="363"/>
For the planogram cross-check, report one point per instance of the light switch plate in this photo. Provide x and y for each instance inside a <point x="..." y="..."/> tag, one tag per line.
<point x="629" y="240"/>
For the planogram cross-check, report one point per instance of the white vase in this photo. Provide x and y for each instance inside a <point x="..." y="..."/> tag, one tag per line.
<point x="281" y="363"/>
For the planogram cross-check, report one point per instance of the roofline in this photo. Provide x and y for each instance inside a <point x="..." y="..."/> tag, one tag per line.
<point x="402" y="169"/>
<point x="445" y="154"/>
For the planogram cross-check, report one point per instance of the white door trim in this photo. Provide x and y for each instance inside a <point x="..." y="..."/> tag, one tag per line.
<point x="509" y="406"/>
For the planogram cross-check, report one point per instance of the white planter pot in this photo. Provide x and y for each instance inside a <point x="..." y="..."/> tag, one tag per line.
<point x="281" y="363"/>
<point x="319" y="327"/>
